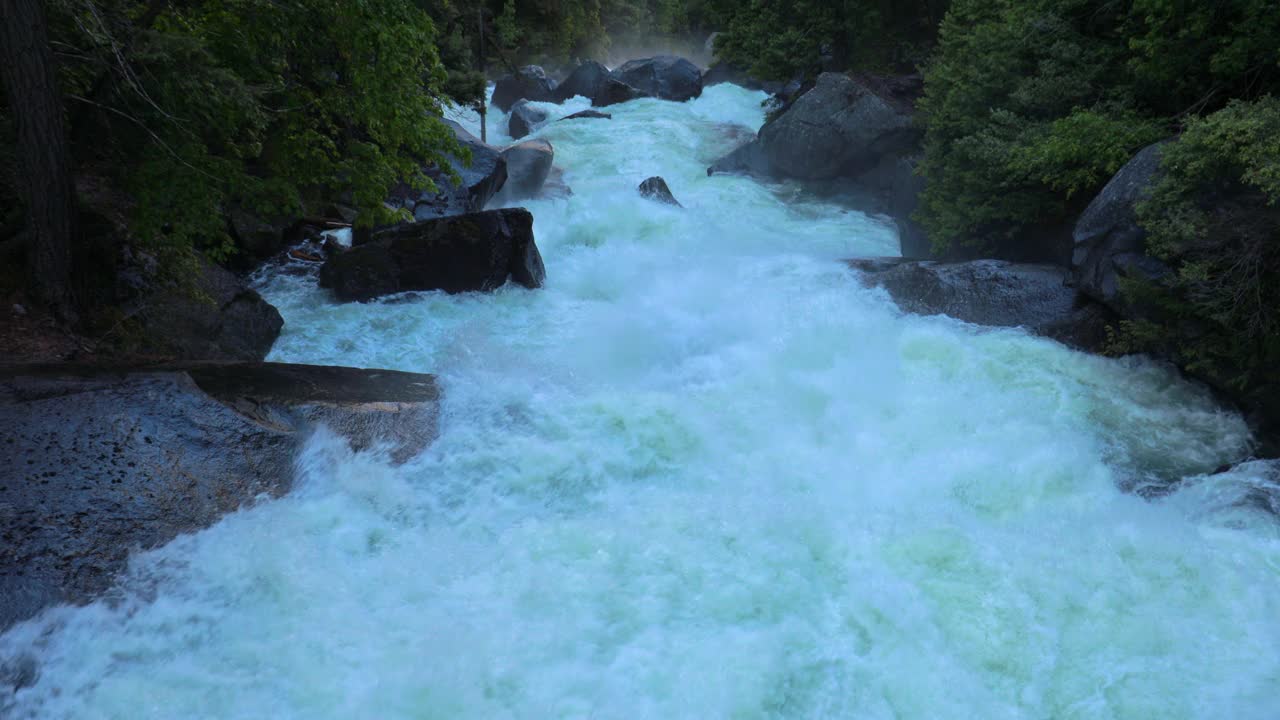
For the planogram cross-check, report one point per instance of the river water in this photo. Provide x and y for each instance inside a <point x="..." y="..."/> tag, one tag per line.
<point x="703" y="473"/>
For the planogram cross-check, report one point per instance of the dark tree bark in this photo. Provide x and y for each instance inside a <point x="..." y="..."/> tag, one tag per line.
<point x="26" y="61"/>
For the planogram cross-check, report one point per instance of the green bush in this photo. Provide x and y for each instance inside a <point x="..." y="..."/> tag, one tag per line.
<point x="1214" y="218"/>
<point x="1031" y="105"/>
<point x="261" y="103"/>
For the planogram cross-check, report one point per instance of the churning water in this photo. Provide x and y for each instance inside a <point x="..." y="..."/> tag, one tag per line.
<point x="705" y="474"/>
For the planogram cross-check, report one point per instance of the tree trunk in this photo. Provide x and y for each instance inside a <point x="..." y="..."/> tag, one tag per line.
<point x="26" y="61"/>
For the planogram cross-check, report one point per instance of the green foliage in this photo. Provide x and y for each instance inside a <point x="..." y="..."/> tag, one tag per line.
<point x="266" y="104"/>
<point x="1031" y="105"/>
<point x="780" y="39"/>
<point x="1214" y="218"/>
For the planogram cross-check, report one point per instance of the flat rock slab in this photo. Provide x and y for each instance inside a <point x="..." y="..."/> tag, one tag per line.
<point x="101" y="461"/>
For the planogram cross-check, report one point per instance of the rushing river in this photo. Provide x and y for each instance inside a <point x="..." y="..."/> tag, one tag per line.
<point x="704" y="473"/>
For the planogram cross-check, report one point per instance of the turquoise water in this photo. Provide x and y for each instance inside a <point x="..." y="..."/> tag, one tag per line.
<point x="704" y="473"/>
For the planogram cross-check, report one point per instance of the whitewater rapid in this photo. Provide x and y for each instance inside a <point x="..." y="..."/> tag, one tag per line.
<point x="704" y="473"/>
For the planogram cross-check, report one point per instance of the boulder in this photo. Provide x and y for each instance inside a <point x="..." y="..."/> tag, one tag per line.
<point x="588" y="115"/>
<point x="1107" y="242"/>
<point x="257" y="237"/>
<point x="747" y="159"/>
<point x="666" y="77"/>
<point x="991" y="292"/>
<point x="524" y="120"/>
<point x="528" y="83"/>
<point x="108" y="460"/>
<point x="594" y="81"/>
<point x="477" y="251"/>
<point x="840" y="128"/>
<point x="216" y="317"/>
<point x="528" y="165"/>
<point x="481" y="179"/>
<point x="655" y="188"/>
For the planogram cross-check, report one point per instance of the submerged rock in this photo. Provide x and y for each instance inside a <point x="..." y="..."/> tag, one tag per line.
<point x="665" y="77"/>
<point x="588" y="115"/>
<point x="524" y="120"/>
<point x="477" y="251"/>
<point x="655" y="188"/>
<point x="992" y="292"/>
<point x="109" y="460"/>
<point x="1108" y="243"/>
<point x="528" y="166"/>
<point x="481" y="179"/>
<point x="528" y="83"/>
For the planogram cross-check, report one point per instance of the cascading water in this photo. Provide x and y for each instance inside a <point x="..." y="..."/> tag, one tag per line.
<point x="705" y="474"/>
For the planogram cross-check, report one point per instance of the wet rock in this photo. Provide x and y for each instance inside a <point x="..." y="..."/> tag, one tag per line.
<point x="528" y="166"/>
<point x="655" y="188"/>
<point x="666" y="77"/>
<point x="747" y="159"/>
<point x="481" y="179"/>
<point x="473" y="252"/>
<point x="839" y="129"/>
<point x="594" y="81"/>
<point x="108" y="460"/>
<point x="257" y="237"/>
<point x="528" y="83"/>
<point x="991" y="292"/>
<point x="1107" y="242"/>
<point x="216" y="318"/>
<point x="588" y="115"/>
<point x="524" y="120"/>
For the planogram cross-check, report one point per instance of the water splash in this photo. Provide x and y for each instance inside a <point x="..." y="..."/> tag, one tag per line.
<point x="704" y="473"/>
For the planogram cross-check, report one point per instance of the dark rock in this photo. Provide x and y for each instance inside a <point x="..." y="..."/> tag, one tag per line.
<point x="524" y="120"/>
<point x="215" y="318"/>
<point x="481" y="180"/>
<point x="478" y="251"/>
<point x="528" y="83"/>
<point x="905" y="190"/>
<point x="990" y="292"/>
<point x="747" y="159"/>
<point x="594" y="81"/>
<point x="332" y="246"/>
<point x="108" y="460"/>
<point x="340" y="211"/>
<point x="839" y="128"/>
<point x="556" y="186"/>
<point x="257" y="237"/>
<point x="655" y="188"/>
<point x="588" y="115"/>
<point x="528" y="165"/>
<point x="665" y="77"/>
<point x="1108" y="243"/>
